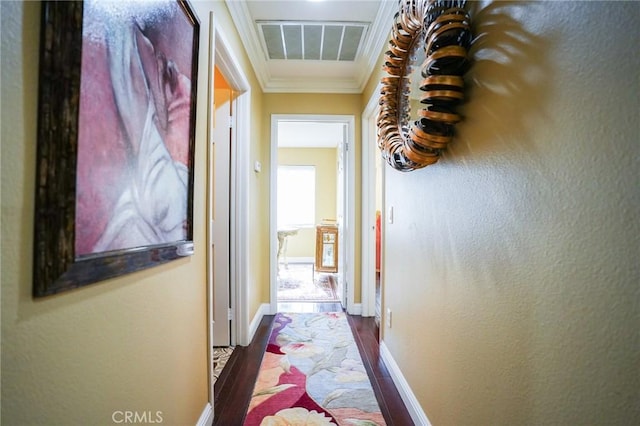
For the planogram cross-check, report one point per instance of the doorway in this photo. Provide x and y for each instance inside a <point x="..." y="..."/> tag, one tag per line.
<point x="373" y="215"/>
<point x="220" y="160"/>
<point x="233" y="136"/>
<point x="310" y="180"/>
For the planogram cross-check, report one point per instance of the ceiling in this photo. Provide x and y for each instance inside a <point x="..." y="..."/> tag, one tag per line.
<point x="313" y="46"/>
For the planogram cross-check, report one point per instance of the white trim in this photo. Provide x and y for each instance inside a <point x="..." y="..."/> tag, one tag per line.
<point x="206" y="418"/>
<point x="356" y="309"/>
<point x="240" y="14"/>
<point x="221" y="55"/>
<point x="240" y="243"/>
<point x="376" y="36"/>
<point x="349" y="206"/>
<point x="273" y="202"/>
<point x="230" y="67"/>
<point x="209" y="190"/>
<point x="368" y="230"/>
<point x="349" y="201"/>
<point x="408" y="397"/>
<point x="255" y="322"/>
<point x="380" y="30"/>
<point x="227" y="63"/>
<point x="317" y="85"/>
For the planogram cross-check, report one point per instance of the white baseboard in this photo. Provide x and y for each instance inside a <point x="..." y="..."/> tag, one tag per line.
<point x="255" y="322"/>
<point x="413" y="406"/>
<point x="355" y="309"/>
<point x="206" y="418"/>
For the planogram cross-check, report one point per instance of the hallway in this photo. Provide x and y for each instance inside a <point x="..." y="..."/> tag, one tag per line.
<point x="509" y="268"/>
<point x="233" y="388"/>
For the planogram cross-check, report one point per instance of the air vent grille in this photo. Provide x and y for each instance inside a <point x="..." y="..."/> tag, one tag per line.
<point x="329" y="41"/>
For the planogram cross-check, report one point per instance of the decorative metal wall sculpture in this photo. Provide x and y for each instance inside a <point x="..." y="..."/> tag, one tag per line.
<point x="443" y="28"/>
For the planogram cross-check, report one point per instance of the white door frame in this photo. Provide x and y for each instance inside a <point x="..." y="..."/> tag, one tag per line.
<point x="230" y="68"/>
<point x="368" y="221"/>
<point x="349" y="204"/>
<point x="221" y="55"/>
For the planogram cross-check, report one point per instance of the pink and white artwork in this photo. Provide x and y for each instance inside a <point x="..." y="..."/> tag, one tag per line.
<point x="135" y="126"/>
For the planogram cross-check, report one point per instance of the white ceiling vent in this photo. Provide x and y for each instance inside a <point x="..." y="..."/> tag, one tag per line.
<point x="319" y="41"/>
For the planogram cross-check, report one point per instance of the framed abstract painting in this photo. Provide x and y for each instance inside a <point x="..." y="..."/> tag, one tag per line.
<point x="116" y="139"/>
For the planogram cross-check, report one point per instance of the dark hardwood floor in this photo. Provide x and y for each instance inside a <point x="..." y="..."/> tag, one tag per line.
<point x="232" y="391"/>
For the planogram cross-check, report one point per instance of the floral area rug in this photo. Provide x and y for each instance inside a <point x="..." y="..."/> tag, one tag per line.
<point x="299" y="282"/>
<point x="312" y="374"/>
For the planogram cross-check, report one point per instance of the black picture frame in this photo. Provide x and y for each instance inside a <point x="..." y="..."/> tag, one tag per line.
<point x="57" y="265"/>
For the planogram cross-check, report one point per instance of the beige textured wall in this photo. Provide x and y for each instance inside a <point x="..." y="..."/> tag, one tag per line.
<point x="303" y="244"/>
<point x="512" y="265"/>
<point x="133" y="343"/>
<point x="318" y="103"/>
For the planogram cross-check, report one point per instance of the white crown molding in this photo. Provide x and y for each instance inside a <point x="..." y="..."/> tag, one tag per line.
<point x="239" y="12"/>
<point x="377" y="34"/>
<point x="312" y="85"/>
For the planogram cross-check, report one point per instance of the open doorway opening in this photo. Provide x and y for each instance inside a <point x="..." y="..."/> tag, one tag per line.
<point x="219" y="260"/>
<point x="309" y="183"/>
<point x="306" y="207"/>
<point x="227" y="199"/>
<point x="373" y="215"/>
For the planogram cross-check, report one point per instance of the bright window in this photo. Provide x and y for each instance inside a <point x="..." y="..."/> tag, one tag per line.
<point x="296" y="196"/>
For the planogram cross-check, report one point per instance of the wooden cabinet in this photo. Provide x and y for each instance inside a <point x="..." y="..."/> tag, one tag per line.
<point x="327" y="248"/>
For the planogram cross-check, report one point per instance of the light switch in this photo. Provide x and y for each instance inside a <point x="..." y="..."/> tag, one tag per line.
<point x="390" y="215"/>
